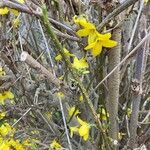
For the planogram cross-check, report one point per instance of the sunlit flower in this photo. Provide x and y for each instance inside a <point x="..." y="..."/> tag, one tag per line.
<point x="120" y="135"/>
<point x="55" y="145"/>
<point x="102" y="40"/>
<point x="66" y="53"/>
<point x="89" y="29"/>
<point x="14" y="12"/>
<point x="73" y="130"/>
<point x="60" y="94"/>
<point x="129" y="112"/>
<point x="103" y="114"/>
<point x="16" y="144"/>
<point x="2" y="73"/>
<point x="6" y="129"/>
<point x="2" y="115"/>
<point x="6" y="95"/>
<point x="27" y="142"/>
<point x="84" y="129"/>
<point x="4" y="145"/>
<point x="80" y="63"/>
<point x="15" y="23"/>
<point x="72" y="111"/>
<point x="81" y="98"/>
<point x="4" y="11"/>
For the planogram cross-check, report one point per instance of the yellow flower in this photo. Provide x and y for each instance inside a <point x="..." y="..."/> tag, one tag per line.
<point x="5" y="145"/>
<point x="2" y="115"/>
<point x="120" y="135"/>
<point x="2" y="73"/>
<point x="80" y="20"/>
<point x="6" y="95"/>
<point x="72" y="130"/>
<point x="16" y="144"/>
<point x="79" y="63"/>
<point x="146" y="1"/>
<point x="81" y="98"/>
<point x="102" y="40"/>
<point x="60" y="94"/>
<point x="84" y="129"/>
<point x="14" y="11"/>
<point x="74" y="111"/>
<point x="21" y="1"/>
<point x="27" y="142"/>
<point x="5" y="129"/>
<point x="89" y="29"/>
<point x="103" y="114"/>
<point x="67" y="54"/>
<point x="129" y="112"/>
<point x="55" y="145"/>
<point x="16" y="23"/>
<point x="4" y="11"/>
<point x="61" y="77"/>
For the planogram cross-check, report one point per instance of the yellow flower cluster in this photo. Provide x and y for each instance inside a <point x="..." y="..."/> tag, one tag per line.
<point x="7" y="141"/>
<point x="73" y="110"/>
<point x="6" y="10"/>
<point x="6" y="138"/>
<point x="6" y="94"/>
<point x="103" y="114"/>
<point x="77" y="63"/>
<point x="83" y="129"/>
<point x="55" y="145"/>
<point x="2" y="115"/>
<point x="96" y="40"/>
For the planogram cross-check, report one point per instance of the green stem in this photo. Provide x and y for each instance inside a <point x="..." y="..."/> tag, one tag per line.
<point x="73" y="72"/>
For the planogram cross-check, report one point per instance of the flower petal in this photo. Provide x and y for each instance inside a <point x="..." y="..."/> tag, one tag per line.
<point x="80" y="64"/>
<point x="79" y="20"/>
<point x="88" y="25"/>
<point x="85" y="137"/>
<point x="81" y="121"/>
<point x="4" y="11"/>
<point x="72" y="111"/>
<point x="91" y="45"/>
<point x="83" y="32"/>
<point x="97" y="49"/>
<point x="109" y="43"/>
<point x="103" y="37"/>
<point x="83" y="130"/>
<point x="92" y="36"/>
<point x="58" y="58"/>
<point x="72" y="130"/>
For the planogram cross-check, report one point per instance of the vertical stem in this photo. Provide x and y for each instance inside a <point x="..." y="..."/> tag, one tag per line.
<point x="136" y="98"/>
<point x="113" y="85"/>
<point x="65" y="124"/>
<point x="75" y="75"/>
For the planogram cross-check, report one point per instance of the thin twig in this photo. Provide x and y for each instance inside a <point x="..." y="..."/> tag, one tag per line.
<point x="65" y="124"/>
<point x="135" y="27"/>
<point x="47" y="48"/>
<point x="117" y="11"/>
<point x="21" y="117"/>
